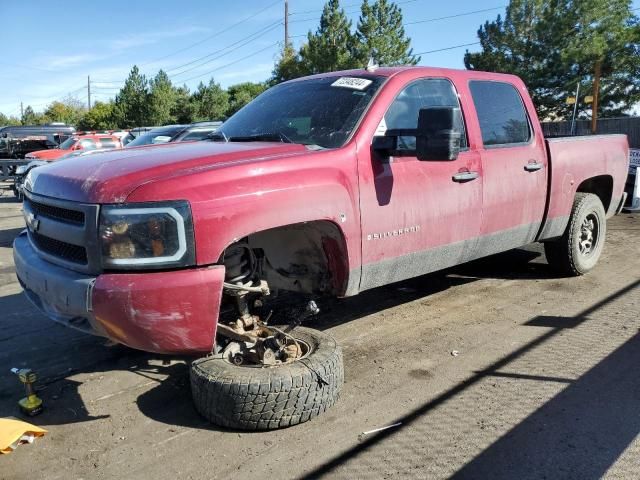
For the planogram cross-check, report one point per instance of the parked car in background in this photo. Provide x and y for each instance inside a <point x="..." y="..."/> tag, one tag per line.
<point x="18" y="141"/>
<point x="133" y="134"/>
<point x="77" y="143"/>
<point x="176" y="133"/>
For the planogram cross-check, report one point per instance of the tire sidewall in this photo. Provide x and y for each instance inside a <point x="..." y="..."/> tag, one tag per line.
<point x="590" y="204"/>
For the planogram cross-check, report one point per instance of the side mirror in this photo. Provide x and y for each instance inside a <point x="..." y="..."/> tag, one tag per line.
<point x="437" y="137"/>
<point x="385" y="146"/>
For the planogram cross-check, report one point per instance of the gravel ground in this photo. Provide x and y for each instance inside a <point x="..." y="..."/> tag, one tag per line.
<point x="543" y="384"/>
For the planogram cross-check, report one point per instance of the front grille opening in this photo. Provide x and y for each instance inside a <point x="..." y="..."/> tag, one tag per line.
<point x="64" y="214"/>
<point x="66" y="251"/>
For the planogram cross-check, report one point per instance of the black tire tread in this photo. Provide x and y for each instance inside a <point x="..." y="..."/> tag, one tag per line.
<point x="560" y="253"/>
<point x="247" y="398"/>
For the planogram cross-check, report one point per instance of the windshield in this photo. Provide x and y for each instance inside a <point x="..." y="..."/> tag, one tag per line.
<point x="318" y="111"/>
<point x="155" y="137"/>
<point x="68" y="143"/>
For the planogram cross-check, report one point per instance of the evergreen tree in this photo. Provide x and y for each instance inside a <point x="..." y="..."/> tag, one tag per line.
<point x="184" y="108"/>
<point x="553" y="45"/>
<point x="8" y="121"/>
<point x="333" y="46"/>
<point x="162" y="99"/>
<point x="380" y="35"/>
<point x="212" y="101"/>
<point x="289" y="66"/>
<point x="30" y="117"/>
<point x="131" y="109"/>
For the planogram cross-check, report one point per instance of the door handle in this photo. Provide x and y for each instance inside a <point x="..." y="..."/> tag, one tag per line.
<point x="465" y="176"/>
<point x="533" y="166"/>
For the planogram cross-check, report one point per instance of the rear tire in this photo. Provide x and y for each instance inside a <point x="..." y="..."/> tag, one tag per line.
<point x="266" y="398"/>
<point x="580" y="247"/>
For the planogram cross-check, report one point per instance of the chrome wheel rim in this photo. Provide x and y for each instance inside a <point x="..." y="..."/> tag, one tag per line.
<point x="589" y="235"/>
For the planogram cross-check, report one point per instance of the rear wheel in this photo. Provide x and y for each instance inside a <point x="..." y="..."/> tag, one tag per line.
<point x="254" y="397"/>
<point x="580" y="247"/>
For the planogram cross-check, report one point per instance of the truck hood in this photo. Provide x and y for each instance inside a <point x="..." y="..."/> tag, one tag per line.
<point x="48" y="155"/>
<point x="111" y="176"/>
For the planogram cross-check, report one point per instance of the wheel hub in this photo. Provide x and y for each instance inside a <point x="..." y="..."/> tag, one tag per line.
<point x="588" y="235"/>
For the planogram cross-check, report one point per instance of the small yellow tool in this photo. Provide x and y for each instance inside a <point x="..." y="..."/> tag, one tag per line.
<point x="31" y="404"/>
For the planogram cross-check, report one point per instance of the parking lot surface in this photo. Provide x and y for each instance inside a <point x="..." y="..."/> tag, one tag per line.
<point x="496" y="369"/>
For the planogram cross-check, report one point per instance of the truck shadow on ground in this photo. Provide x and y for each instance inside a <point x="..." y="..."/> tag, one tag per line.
<point x="578" y="433"/>
<point x="170" y="401"/>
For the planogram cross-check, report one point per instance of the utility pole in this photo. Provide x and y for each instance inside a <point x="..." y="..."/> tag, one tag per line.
<point x="88" y="92"/>
<point x="575" y="110"/>
<point x="21" y="112"/>
<point x="286" y="23"/>
<point x="596" y="94"/>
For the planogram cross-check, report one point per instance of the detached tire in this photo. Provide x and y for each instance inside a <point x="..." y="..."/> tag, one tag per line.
<point x="266" y="398"/>
<point x="580" y="247"/>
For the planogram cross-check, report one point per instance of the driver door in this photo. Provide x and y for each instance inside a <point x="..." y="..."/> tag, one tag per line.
<point x="417" y="216"/>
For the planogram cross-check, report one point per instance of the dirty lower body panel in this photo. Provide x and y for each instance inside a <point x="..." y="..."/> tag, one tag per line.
<point x="162" y="312"/>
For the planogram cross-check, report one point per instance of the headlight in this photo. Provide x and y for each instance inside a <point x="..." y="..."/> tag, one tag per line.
<point x="148" y="235"/>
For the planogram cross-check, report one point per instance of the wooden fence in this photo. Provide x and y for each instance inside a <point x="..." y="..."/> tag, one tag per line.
<point x="628" y="125"/>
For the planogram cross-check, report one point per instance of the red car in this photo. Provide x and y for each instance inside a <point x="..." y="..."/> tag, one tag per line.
<point x="76" y="143"/>
<point x="328" y="185"/>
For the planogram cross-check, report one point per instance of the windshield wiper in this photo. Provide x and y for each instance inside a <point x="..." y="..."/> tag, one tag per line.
<point x="262" y="137"/>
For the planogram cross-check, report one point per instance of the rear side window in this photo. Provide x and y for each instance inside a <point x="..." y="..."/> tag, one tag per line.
<point x="108" y="143"/>
<point x="503" y="119"/>
<point x="87" y="144"/>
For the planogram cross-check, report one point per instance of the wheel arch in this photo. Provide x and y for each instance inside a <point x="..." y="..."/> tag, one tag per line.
<point x="602" y="187"/>
<point x="308" y="257"/>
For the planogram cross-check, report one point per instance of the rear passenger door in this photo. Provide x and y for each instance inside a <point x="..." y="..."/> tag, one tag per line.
<point x="514" y="166"/>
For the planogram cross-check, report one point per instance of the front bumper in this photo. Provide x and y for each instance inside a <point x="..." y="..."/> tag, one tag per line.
<point x="163" y="312"/>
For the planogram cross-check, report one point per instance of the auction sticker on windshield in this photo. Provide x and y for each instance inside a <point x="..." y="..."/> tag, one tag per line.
<point x="352" y="83"/>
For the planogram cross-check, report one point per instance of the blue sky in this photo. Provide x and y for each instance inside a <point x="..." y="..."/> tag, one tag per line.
<point x="48" y="49"/>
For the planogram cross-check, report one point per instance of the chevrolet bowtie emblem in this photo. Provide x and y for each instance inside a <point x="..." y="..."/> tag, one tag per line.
<point x="33" y="223"/>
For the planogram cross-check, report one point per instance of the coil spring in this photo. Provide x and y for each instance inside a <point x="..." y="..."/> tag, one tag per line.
<point x="239" y="261"/>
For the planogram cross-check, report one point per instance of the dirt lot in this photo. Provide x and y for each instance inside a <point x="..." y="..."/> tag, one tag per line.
<point x="545" y="384"/>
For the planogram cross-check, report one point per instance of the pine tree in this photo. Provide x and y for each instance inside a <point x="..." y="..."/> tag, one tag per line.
<point x="289" y="66"/>
<point x="162" y="99"/>
<point x="333" y="45"/>
<point x="380" y="35"/>
<point x="184" y="108"/>
<point x="131" y="108"/>
<point x="553" y="45"/>
<point x="212" y="101"/>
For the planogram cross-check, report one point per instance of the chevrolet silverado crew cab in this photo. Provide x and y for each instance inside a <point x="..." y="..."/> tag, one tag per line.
<point x="326" y="185"/>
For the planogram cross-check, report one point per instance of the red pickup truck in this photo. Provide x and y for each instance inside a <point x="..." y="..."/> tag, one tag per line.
<point x="326" y="185"/>
<point x="76" y="143"/>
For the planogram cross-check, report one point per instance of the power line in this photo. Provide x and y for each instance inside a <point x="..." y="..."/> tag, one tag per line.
<point x="232" y="63"/>
<point x="447" y="48"/>
<point x="188" y="47"/>
<point x="454" y="16"/>
<point x="248" y="39"/>
<point x="225" y="53"/>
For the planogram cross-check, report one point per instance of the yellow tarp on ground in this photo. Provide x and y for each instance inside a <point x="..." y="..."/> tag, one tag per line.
<point x="15" y="432"/>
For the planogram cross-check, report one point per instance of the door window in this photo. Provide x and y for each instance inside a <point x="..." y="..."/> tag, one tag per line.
<point x="501" y="113"/>
<point x="403" y="112"/>
<point x="87" y="144"/>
